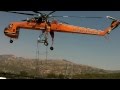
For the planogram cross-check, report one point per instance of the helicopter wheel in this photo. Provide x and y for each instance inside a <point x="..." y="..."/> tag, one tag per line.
<point x="46" y="43"/>
<point x="11" y="41"/>
<point x="51" y="48"/>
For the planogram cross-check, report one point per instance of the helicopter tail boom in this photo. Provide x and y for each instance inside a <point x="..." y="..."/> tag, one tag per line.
<point x="83" y="30"/>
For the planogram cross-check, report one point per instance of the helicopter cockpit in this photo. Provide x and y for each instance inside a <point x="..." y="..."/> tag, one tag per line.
<point x="11" y="31"/>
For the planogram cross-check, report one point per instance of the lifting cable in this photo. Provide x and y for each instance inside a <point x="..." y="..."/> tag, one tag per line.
<point x="38" y="53"/>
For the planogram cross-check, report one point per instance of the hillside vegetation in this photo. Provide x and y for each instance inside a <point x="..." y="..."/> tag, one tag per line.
<point x="18" y="67"/>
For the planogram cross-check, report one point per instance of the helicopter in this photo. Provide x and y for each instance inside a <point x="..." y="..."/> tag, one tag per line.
<point x="41" y="22"/>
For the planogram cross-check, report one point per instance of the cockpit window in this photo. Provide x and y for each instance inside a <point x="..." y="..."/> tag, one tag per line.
<point x="9" y="26"/>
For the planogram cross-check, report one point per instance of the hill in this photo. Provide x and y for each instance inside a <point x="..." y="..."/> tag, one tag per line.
<point x="42" y="68"/>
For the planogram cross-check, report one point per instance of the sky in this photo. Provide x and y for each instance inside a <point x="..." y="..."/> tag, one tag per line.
<point x="84" y="49"/>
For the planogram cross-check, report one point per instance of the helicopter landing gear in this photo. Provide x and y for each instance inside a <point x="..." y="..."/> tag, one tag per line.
<point x="11" y="41"/>
<point x="51" y="48"/>
<point x="52" y="36"/>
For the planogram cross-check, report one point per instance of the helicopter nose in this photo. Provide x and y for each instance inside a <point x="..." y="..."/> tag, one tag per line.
<point x="5" y="31"/>
<point x="11" y="35"/>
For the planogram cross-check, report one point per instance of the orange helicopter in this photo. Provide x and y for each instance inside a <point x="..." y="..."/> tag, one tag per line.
<point x="42" y="23"/>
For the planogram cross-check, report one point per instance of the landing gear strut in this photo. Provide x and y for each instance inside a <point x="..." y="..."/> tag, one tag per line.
<point x="52" y="36"/>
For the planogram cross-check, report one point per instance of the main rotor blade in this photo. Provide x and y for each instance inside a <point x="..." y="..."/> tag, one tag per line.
<point x="60" y="20"/>
<point x="38" y="12"/>
<point x="50" y="13"/>
<point x="20" y="13"/>
<point x="24" y="20"/>
<point x="76" y="17"/>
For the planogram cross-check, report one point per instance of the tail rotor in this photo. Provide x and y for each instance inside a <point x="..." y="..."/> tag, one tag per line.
<point x="109" y="17"/>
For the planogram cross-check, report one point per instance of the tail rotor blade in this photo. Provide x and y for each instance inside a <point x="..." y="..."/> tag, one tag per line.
<point x="109" y="17"/>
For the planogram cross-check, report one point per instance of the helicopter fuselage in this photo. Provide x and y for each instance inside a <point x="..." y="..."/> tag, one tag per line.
<point x="13" y="28"/>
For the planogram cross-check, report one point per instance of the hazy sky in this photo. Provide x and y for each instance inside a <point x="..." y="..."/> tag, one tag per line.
<point x="82" y="49"/>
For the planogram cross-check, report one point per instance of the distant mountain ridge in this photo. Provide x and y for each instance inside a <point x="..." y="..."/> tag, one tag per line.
<point x="15" y="64"/>
<point x="10" y="57"/>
